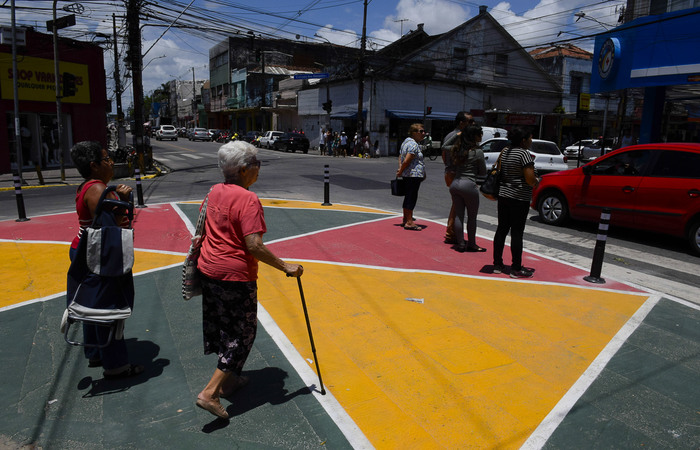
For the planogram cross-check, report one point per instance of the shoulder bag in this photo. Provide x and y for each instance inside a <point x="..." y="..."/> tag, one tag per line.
<point x="191" y="286"/>
<point x="492" y="183"/>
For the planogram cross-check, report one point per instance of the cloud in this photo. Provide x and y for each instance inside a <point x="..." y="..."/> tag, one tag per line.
<point x="437" y="16"/>
<point x="347" y="38"/>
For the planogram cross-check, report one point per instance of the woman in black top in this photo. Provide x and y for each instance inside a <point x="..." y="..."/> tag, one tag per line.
<point x="518" y="178"/>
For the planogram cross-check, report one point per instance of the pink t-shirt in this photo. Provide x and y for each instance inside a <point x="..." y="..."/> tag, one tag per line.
<point x="232" y="214"/>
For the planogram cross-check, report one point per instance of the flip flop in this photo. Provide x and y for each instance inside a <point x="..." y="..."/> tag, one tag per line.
<point x="215" y="408"/>
<point x="476" y="249"/>
<point x="413" y="228"/>
<point x="131" y="371"/>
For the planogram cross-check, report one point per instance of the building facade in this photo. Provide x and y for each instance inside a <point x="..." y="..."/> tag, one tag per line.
<point x="83" y="115"/>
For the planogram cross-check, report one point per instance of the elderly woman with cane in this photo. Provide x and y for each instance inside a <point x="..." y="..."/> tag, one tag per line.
<point x="228" y="263"/>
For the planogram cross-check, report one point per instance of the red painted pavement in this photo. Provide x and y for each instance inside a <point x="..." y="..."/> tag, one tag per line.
<point x="386" y="244"/>
<point x="157" y="227"/>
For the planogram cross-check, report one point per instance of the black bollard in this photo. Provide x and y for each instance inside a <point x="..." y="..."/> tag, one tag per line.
<point x="599" y="252"/>
<point x="326" y="186"/>
<point x="20" y="200"/>
<point x="139" y="189"/>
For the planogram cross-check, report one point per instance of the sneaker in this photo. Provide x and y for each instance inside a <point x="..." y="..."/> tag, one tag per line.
<point x="498" y="268"/>
<point x="522" y="273"/>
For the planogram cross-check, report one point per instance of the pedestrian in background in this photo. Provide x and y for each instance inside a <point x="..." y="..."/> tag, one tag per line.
<point x="228" y="263"/>
<point x="469" y="164"/>
<point x="462" y="119"/>
<point x="412" y="169"/>
<point x="518" y="178"/>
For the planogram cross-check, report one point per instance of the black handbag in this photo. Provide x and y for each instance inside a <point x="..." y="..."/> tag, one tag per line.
<point x="398" y="187"/>
<point x="491" y="185"/>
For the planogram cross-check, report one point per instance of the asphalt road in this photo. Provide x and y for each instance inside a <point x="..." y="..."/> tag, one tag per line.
<point x="653" y="261"/>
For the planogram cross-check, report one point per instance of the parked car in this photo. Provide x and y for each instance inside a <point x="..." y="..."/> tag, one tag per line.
<point x="653" y="187"/>
<point x="199" y="134"/>
<point x="291" y="141"/>
<point x="268" y="138"/>
<point x="548" y="158"/>
<point x="588" y="149"/>
<point x="166" y="132"/>
<point x="251" y="136"/>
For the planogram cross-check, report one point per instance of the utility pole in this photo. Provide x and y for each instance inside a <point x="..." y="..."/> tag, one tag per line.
<point x="194" y="100"/>
<point x="18" y="136"/>
<point x="132" y="19"/>
<point x="117" y="80"/>
<point x="361" y="76"/>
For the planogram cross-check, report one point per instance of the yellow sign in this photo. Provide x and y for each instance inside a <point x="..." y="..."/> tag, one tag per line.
<point x="36" y="80"/>
<point x="584" y="102"/>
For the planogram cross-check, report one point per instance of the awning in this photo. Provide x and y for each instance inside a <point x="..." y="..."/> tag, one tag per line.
<point x="348" y="115"/>
<point x="418" y="115"/>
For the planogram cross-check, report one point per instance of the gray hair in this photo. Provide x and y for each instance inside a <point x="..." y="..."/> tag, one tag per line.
<point x="233" y="156"/>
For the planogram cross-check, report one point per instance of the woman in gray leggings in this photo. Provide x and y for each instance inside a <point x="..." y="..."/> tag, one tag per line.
<point x="468" y="160"/>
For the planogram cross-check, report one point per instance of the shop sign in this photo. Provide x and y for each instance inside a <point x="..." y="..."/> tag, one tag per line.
<point x="36" y="80"/>
<point x="521" y="119"/>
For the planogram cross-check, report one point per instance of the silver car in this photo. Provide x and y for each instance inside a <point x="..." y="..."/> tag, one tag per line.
<point x="587" y="148"/>
<point x="548" y="158"/>
<point x="166" y="132"/>
<point x="199" y="134"/>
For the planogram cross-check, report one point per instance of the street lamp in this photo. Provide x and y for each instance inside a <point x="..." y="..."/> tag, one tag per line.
<point x="582" y="15"/>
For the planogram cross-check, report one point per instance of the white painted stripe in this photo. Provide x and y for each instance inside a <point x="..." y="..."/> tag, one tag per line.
<point x="665" y="70"/>
<point x="193" y="156"/>
<point x="637" y="279"/>
<point x="171" y="157"/>
<point x="596" y="287"/>
<point x="347" y="426"/>
<point x="588" y="243"/>
<point x="183" y="216"/>
<point x="550" y="423"/>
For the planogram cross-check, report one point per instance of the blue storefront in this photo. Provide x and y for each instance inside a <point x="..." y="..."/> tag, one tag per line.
<point x="653" y="53"/>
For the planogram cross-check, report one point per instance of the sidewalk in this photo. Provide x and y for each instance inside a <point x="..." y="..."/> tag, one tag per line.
<point x="419" y="347"/>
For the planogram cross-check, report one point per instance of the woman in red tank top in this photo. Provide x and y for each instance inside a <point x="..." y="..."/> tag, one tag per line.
<point x="95" y="165"/>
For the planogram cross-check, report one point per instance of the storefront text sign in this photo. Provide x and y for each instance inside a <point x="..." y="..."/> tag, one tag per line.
<point x="36" y="79"/>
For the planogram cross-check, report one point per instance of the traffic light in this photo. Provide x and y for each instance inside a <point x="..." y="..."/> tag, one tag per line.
<point x="328" y="106"/>
<point x="428" y="110"/>
<point x="69" y="88"/>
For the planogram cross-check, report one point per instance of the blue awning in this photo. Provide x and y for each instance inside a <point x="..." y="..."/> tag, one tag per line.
<point x="418" y="115"/>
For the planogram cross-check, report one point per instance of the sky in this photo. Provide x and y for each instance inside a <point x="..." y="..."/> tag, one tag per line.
<point x="174" y="52"/>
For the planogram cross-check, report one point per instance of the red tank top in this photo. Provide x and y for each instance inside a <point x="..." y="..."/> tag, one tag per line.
<point x="84" y="215"/>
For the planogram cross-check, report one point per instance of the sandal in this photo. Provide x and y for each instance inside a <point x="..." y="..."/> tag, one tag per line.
<point x="131" y="371"/>
<point x="215" y="408"/>
<point x="476" y="249"/>
<point x="412" y="228"/>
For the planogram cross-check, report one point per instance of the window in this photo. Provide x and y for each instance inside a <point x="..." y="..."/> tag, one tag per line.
<point x="677" y="164"/>
<point x="501" y="67"/>
<point x="576" y="84"/>
<point x="630" y="163"/>
<point x="459" y="58"/>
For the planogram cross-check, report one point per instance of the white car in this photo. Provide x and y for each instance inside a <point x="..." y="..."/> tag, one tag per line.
<point x="548" y="158"/>
<point x="166" y="132"/>
<point x="588" y="148"/>
<point x="269" y="137"/>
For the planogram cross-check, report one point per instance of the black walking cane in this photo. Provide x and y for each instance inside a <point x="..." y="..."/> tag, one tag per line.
<point x="311" y="336"/>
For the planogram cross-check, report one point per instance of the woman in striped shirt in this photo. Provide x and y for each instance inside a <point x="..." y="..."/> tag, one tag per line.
<point x="518" y="178"/>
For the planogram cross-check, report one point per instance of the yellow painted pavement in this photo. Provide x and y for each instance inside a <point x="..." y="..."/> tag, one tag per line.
<point x="478" y="365"/>
<point x="34" y="270"/>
